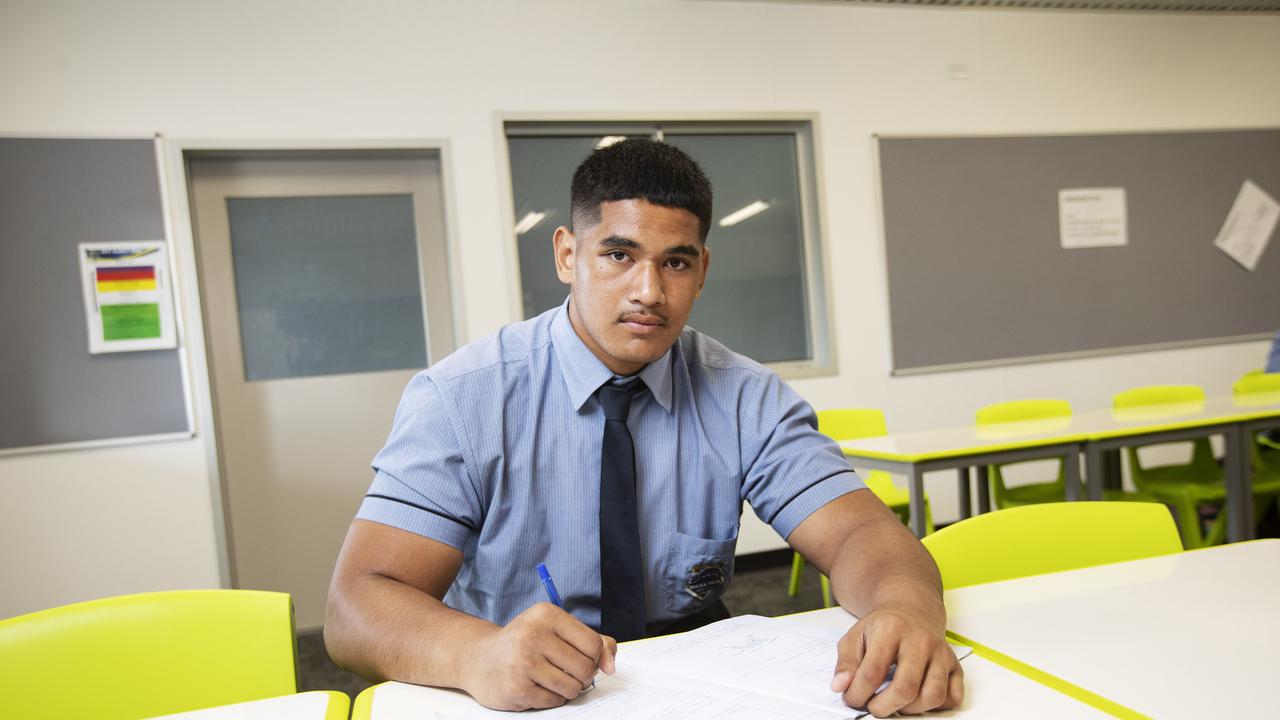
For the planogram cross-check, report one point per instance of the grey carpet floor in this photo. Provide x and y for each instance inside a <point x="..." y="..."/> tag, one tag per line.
<point x="752" y="592"/>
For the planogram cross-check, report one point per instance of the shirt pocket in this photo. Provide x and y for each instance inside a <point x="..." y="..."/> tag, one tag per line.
<point x="696" y="572"/>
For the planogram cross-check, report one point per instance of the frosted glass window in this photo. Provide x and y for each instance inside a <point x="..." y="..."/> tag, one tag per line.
<point x="754" y="299"/>
<point x="327" y="285"/>
<point x="765" y="262"/>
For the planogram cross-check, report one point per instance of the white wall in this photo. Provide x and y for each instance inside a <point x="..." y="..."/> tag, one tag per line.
<point x="90" y="523"/>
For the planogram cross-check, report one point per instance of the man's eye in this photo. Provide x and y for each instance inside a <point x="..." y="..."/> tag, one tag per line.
<point x="678" y="263"/>
<point x="618" y="255"/>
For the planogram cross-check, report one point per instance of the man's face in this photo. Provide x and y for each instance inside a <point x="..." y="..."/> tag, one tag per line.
<point x="633" y="278"/>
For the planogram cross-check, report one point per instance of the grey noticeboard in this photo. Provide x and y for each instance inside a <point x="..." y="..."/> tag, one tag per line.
<point x="55" y="193"/>
<point x="977" y="274"/>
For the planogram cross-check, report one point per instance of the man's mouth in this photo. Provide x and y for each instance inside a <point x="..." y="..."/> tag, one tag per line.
<point x="641" y="323"/>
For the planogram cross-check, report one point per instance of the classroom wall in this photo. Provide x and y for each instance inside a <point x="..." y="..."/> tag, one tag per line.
<point x="75" y="525"/>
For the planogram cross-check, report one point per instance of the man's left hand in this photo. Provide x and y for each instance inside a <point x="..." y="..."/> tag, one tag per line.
<point x="928" y="676"/>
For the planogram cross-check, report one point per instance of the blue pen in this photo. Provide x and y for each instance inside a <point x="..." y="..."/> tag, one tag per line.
<point x="552" y="594"/>
<point x="550" y="586"/>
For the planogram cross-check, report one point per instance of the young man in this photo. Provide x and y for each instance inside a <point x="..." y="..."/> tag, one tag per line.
<point x="610" y="442"/>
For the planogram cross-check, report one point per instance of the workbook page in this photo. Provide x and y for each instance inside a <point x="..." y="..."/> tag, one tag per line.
<point x="643" y="694"/>
<point x="755" y="654"/>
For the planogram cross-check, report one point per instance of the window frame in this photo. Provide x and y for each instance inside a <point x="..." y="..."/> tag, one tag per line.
<point x="802" y="127"/>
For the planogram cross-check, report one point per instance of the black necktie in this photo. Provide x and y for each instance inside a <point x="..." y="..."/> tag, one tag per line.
<point x="621" y="572"/>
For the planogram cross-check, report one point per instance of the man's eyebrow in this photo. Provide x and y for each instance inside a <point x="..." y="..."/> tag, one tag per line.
<point x="617" y="241"/>
<point x="689" y="250"/>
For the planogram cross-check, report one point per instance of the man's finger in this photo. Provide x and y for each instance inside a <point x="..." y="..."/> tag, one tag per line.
<point x="555" y="680"/>
<point x="536" y="697"/>
<point x="955" y="689"/>
<point x="567" y="658"/>
<point x="871" y="672"/>
<point x="904" y="688"/>
<point x="582" y="638"/>
<point x="609" y="654"/>
<point x="933" y="689"/>
<point x="849" y="652"/>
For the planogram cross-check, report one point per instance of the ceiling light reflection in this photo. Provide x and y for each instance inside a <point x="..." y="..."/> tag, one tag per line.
<point x="738" y="216"/>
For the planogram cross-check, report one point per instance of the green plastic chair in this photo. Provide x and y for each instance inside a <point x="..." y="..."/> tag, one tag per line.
<point x="1266" y="452"/>
<point x="1186" y="486"/>
<point x="362" y="707"/>
<point x="851" y="424"/>
<point x="1027" y="411"/>
<point x="1049" y="537"/>
<point x="150" y="654"/>
<point x="1024" y="411"/>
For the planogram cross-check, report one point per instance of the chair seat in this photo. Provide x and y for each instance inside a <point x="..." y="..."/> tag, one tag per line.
<point x="1180" y="474"/>
<point x="1179" y="490"/>
<point x="1266" y="481"/>
<point x="1033" y="494"/>
<point x="879" y="482"/>
<point x="1126" y="496"/>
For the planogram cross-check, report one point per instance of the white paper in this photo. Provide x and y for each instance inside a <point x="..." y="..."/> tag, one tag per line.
<point x="128" y="301"/>
<point x="1092" y="217"/>
<point x="652" y="696"/>
<point x="1248" y="227"/>
<point x="745" y="667"/>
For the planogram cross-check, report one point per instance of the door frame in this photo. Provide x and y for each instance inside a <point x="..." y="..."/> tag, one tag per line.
<point x="178" y="152"/>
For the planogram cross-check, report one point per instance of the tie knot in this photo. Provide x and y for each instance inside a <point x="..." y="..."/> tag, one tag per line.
<point x="616" y="398"/>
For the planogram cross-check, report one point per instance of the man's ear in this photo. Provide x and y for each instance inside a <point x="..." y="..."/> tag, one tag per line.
<point x="706" y="265"/>
<point x="565" y="244"/>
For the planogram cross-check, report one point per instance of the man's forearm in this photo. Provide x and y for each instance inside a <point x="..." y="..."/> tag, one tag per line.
<point x="383" y="629"/>
<point x="881" y="565"/>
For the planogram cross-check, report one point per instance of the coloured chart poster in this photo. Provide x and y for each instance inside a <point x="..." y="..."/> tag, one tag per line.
<point x="127" y="297"/>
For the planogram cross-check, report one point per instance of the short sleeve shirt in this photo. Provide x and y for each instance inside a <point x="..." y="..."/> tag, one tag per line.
<point x="495" y="450"/>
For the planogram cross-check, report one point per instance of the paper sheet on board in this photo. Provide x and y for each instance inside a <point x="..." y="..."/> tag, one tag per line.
<point x="1092" y="217"/>
<point x="1249" y="225"/>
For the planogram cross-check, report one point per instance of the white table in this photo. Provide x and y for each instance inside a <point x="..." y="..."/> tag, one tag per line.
<point x="992" y="692"/>
<point x="314" y="705"/>
<point x="1091" y="434"/>
<point x="1191" y="635"/>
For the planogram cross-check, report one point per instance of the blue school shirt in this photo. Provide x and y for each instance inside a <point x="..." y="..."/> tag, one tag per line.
<point x="495" y="450"/>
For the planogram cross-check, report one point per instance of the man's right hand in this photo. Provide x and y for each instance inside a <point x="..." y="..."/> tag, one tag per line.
<point x="543" y="658"/>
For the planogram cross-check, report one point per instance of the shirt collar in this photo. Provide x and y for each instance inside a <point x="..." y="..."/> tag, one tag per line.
<point x="584" y="373"/>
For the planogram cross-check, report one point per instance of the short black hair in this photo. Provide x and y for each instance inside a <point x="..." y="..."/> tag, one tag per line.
<point x="640" y="169"/>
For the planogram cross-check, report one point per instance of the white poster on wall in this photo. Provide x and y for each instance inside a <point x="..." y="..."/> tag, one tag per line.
<point x="128" y="303"/>
<point x="1092" y="217"/>
<point x="1249" y="224"/>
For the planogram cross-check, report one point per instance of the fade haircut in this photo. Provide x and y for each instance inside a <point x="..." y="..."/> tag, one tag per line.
<point x="640" y="169"/>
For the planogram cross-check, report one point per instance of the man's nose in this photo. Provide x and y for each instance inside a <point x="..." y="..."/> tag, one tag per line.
<point x="646" y="288"/>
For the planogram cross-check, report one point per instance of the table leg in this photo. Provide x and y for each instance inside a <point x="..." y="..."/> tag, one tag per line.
<point x="1236" y="467"/>
<point x="1071" y="473"/>
<point x="962" y="485"/>
<point x="1113" y="470"/>
<point x="984" y="490"/>
<point x="915" y="487"/>
<point x="1093" y="470"/>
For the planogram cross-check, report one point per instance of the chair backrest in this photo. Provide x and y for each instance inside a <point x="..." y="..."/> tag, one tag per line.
<point x="852" y="423"/>
<point x="1050" y="537"/>
<point x="1152" y="396"/>
<point x="150" y="654"/>
<point x="1157" y="395"/>
<point x="1013" y="411"/>
<point x="1022" y="410"/>
<point x="1256" y="383"/>
<point x="362" y="706"/>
